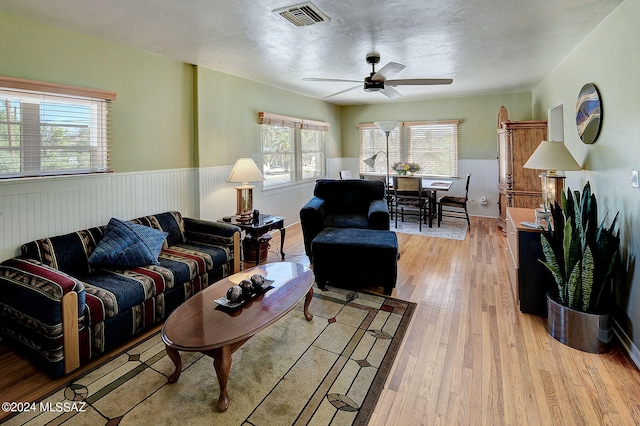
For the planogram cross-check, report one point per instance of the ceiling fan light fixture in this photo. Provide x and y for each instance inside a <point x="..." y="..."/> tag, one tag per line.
<point x="373" y="85"/>
<point x="379" y="81"/>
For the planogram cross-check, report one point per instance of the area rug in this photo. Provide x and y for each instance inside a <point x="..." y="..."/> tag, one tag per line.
<point x="454" y="229"/>
<point x="328" y="371"/>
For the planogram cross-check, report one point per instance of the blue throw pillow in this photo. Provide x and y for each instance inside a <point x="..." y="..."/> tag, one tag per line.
<point x="128" y="244"/>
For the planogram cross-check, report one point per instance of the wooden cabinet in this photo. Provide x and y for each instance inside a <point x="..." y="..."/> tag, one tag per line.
<point x="530" y="280"/>
<point x="517" y="186"/>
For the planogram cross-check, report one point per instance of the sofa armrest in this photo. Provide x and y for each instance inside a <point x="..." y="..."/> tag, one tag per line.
<point x="47" y="301"/>
<point x="312" y="215"/>
<point x="216" y="233"/>
<point x="378" y="215"/>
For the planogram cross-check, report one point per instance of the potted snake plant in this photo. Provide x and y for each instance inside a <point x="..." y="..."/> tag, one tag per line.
<point x="580" y="253"/>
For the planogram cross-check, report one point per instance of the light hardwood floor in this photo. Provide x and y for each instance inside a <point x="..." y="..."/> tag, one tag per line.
<point x="469" y="357"/>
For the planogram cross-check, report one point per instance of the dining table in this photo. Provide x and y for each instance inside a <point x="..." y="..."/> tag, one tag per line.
<point x="430" y="188"/>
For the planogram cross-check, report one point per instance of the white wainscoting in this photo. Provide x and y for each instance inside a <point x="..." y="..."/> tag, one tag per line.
<point x="37" y="208"/>
<point x="484" y="183"/>
<point x="218" y="198"/>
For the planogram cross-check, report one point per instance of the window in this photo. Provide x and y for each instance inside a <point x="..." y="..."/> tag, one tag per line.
<point x="431" y="144"/>
<point x="49" y="129"/>
<point x="293" y="149"/>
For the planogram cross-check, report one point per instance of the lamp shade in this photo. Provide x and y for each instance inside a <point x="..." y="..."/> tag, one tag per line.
<point x="386" y="126"/>
<point x="552" y="156"/>
<point x="371" y="161"/>
<point x="245" y="171"/>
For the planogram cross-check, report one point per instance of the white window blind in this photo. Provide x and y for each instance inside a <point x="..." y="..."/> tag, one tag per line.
<point x="373" y="141"/>
<point x="433" y="145"/>
<point x="293" y="149"/>
<point x="51" y="129"/>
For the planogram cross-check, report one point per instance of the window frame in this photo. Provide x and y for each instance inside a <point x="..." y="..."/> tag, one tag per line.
<point x="372" y="140"/>
<point x="34" y="98"/>
<point x="297" y="151"/>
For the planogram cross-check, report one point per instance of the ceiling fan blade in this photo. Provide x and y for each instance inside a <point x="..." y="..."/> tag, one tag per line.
<point x="418" y="82"/>
<point x="344" y="91"/>
<point x="332" y="80"/>
<point x="389" y="70"/>
<point x="390" y="92"/>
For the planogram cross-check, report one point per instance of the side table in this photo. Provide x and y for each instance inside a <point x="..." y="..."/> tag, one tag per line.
<point x="257" y="229"/>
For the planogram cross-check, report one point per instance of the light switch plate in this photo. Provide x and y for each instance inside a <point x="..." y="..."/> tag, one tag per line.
<point x="634" y="178"/>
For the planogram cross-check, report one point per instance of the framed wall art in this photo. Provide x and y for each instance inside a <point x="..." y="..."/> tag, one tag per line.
<point x="588" y="114"/>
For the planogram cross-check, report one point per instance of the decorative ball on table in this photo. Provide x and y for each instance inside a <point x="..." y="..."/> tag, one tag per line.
<point x="247" y="288"/>
<point x="235" y="293"/>
<point x="258" y="281"/>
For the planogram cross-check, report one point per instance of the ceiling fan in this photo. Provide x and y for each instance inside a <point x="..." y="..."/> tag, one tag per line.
<point x="377" y="81"/>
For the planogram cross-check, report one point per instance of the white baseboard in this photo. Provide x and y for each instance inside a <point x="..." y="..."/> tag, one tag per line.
<point x="627" y="344"/>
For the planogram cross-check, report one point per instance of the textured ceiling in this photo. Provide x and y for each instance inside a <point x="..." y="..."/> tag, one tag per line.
<point x="486" y="46"/>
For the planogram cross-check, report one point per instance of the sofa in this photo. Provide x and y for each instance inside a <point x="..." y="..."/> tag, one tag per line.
<point x="70" y="298"/>
<point x="352" y="203"/>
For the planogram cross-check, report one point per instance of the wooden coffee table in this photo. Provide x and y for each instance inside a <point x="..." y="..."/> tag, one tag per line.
<point x="200" y="325"/>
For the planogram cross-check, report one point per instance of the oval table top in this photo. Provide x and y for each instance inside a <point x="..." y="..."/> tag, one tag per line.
<point x="200" y="324"/>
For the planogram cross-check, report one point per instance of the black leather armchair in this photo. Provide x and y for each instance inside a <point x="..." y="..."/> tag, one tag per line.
<point x="353" y="203"/>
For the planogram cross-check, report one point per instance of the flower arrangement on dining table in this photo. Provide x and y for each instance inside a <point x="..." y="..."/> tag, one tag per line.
<point x="403" y="168"/>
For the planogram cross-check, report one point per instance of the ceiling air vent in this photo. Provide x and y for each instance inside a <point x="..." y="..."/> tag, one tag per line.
<point x="302" y="14"/>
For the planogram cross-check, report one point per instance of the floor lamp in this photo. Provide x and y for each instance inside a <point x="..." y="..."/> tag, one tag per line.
<point x="552" y="156"/>
<point x="387" y="127"/>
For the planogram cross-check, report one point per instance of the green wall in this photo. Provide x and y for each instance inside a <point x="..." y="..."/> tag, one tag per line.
<point x="153" y="128"/>
<point x="152" y="113"/>
<point x="478" y="117"/>
<point x="228" y="108"/>
<point x="609" y="57"/>
<point x="167" y="114"/>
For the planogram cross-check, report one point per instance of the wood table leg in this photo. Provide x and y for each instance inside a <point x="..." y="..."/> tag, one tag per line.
<point x="256" y="243"/>
<point x="283" y="232"/>
<point x="174" y="355"/>
<point x="307" y="302"/>
<point x="432" y="207"/>
<point x="222" y="365"/>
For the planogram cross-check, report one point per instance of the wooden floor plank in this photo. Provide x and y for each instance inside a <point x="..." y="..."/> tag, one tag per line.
<point x="469" y="356"/>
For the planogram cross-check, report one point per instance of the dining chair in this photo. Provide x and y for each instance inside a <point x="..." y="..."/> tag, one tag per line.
<point x="454" y="205"/>
<point x="409" y="199"/>
<point x="345" y="174"/>
<point x="381" y="178"/>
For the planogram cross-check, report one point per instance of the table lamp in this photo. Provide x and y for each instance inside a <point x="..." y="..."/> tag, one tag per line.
<point x="552" y="156"/>
<point x="245" y="171"/>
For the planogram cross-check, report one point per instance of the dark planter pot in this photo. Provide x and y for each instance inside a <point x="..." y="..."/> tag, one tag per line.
<point x="586" y="332"/>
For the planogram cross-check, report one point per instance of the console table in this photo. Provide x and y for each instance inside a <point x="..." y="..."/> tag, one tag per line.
<point x="530" y="280"/>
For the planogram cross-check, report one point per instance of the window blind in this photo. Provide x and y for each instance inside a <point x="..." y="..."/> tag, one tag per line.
<point x="373" y="141"/>
<point x="433" y="145"/>
<point x="292" y="122"/>
<point x="50" y="129"/>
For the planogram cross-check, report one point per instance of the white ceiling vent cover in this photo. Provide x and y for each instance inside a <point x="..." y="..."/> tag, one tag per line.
<point x="302" y="14"/>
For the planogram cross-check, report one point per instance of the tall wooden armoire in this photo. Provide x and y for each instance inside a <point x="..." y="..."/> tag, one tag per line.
<point x="517" y="186"/>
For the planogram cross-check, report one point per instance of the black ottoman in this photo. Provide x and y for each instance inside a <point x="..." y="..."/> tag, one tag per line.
<point x="355" y="258"/>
